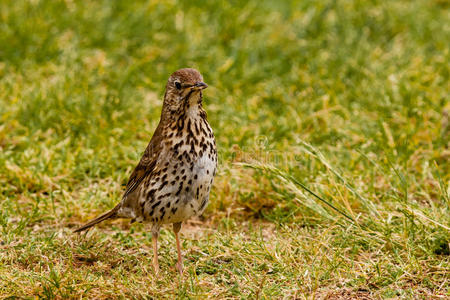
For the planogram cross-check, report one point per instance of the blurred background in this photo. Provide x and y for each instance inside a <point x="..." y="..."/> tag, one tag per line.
<point x="331" y="118"/>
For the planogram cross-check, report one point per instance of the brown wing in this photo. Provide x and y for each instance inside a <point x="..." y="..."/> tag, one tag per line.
<point x="147" y="163"/>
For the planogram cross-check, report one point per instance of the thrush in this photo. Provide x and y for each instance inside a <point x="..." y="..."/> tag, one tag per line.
<point x="173" y="179"/>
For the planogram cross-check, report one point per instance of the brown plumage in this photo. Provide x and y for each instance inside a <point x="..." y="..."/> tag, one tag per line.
<point x="172" y="181"/>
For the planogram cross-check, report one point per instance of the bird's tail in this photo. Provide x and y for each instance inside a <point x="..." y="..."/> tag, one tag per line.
<point x="108" y="215"/>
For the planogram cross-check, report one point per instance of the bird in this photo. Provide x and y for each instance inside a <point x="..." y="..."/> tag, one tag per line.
<point x="173" y="179"/>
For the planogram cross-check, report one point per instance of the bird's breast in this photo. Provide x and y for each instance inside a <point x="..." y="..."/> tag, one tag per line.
<point x="188" y="164"/>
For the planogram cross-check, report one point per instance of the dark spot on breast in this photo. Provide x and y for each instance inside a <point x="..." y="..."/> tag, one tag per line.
<point x="195" y="176"/>
<point x="150" y="195"/>
<point x="176" y="146"/>
<point x="187" y="189"/>
<point x="190" y="181"/>
<point x="174" y="209"/>
<point x="196" y="129"/>
<point x="163" y="184"/>
<point x="164" y="196"/>
<point x="187" y="156"/>
<point x="205" y="200"/>
<point x="180" y="122"/>
<point x="155" y="205"/>
<point x="190" y="128"/>
<point x="179" y="189"/>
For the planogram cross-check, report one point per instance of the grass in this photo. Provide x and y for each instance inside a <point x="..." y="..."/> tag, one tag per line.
<point x="332" y="122"/>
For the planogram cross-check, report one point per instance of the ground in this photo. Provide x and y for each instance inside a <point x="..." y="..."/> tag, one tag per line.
<point x="332" y="123"/>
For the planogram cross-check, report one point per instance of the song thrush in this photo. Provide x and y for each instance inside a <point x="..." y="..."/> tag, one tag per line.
<point x="173" y="179"/>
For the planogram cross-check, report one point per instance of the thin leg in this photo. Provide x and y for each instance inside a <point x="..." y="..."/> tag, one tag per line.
<point x="155" y="252"/>
<point x="176" y="230"/>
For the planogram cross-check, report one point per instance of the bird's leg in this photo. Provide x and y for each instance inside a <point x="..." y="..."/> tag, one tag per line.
<point x="155" y="235"/>
<point x="176" y="230"/>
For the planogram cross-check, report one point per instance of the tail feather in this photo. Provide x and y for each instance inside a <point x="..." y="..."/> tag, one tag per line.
<point x="108" y="215"/>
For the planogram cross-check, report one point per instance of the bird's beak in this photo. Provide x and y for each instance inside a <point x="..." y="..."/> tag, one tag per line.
<point x="200" y="85"/>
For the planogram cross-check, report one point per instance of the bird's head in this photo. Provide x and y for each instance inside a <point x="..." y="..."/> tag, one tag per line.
<point x="184" y="89"/>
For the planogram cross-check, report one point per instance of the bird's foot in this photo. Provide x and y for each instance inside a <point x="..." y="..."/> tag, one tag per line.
<point x="179" y="267"/>
<point x="156" y="267"/>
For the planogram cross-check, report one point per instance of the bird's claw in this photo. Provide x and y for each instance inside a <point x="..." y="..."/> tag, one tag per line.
<point x="179" y="267"/>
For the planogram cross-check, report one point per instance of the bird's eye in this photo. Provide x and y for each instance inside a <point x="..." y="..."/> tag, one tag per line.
<point x="178" y="85"/>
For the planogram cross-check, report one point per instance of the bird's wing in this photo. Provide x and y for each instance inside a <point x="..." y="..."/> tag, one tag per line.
<point x="147" y="164"/>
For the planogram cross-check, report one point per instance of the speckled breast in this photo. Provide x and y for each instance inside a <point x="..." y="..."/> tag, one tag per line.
<point x="182" y="188"/>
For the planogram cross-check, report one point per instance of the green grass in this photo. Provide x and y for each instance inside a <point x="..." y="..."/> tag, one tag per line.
<point x="332" y="122"/>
